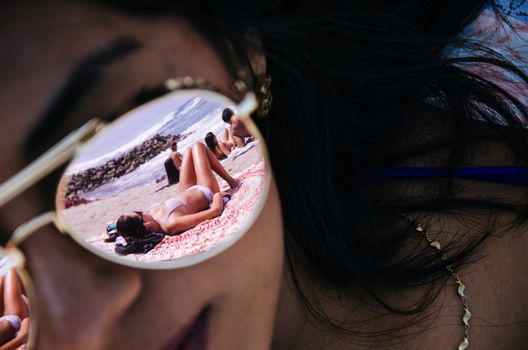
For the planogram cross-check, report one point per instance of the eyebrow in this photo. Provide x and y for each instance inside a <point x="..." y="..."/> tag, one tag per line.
<point x="82" y="78"/>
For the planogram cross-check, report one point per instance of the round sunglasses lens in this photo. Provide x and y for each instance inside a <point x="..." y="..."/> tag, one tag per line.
<point x="169" y="184"/>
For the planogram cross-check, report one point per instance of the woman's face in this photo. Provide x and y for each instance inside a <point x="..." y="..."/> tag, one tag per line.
<point x="85" y="302"/>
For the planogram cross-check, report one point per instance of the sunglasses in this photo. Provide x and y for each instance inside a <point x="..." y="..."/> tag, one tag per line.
<point x="196" y="198"/>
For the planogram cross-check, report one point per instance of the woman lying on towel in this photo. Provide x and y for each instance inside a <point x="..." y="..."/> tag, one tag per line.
<point x="199" y="199"/>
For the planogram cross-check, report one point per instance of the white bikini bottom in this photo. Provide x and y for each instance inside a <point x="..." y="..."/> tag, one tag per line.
<point x="173" y="203"/>
<point x="13" y="320"/>
<point x="207" y="192"/>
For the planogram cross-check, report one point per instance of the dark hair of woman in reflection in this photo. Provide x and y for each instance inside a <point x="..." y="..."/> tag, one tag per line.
<point x="367" y="85"/>
<point x="219" y="148"/>
<point x="172" y="164"/>
<point x="199" y="198"/>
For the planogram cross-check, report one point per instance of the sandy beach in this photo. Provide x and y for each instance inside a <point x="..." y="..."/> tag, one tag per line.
<point x="88" y="221"/>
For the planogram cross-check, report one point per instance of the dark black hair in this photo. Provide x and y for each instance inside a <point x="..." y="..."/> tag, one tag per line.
<point x="227" y="114"/>
<point x="353" y="82"/>
<point x="210" y="141"/>
<point x="139" y="239"/>
<point x="131" y="226"/>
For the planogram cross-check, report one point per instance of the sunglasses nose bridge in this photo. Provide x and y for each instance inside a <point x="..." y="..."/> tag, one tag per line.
<point x="28" y="228"/>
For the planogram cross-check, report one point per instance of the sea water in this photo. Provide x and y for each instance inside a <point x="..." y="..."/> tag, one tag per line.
<point x="195" y="119"/>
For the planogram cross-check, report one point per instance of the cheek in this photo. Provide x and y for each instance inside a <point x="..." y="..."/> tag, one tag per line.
<point x="256" y="261"/>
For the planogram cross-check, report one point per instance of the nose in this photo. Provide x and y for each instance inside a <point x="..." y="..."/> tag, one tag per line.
<point x="80" y="297"/>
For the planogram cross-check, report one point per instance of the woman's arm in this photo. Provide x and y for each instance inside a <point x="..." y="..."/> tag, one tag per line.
<point x="177" y="224"/>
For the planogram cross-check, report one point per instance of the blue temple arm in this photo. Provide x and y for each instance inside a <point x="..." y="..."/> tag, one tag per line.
<point x="504" y="175"/>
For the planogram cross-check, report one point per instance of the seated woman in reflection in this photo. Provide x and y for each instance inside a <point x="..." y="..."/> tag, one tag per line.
<point x="173" y="164"/>
<point x="220" y="149"/>
<point x="199" y="199"/>
<point x="14" y="324"/>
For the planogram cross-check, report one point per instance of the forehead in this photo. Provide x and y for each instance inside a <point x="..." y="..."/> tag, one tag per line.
<point x="42" y="43"/>
<point x="50" y="32"/>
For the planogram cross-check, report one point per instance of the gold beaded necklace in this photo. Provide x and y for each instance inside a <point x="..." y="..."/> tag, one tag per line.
<point x="461" y="287"/>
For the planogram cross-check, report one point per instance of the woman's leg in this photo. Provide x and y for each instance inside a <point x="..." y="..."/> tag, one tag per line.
<point x="239" y="142"/>
<point x="205" y="163"/>
<point x="187" y="171"/>
<point x="13" y="300"/>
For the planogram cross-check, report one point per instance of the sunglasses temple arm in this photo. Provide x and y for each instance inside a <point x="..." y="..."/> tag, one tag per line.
<point x="48" y="162"/>
<point x="28" y="228"/>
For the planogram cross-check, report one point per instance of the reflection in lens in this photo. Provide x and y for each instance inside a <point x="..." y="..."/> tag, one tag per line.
<point x="181" y="176"/>
<point x="14" y="307"/>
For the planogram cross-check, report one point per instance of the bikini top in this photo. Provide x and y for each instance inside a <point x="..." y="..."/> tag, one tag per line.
<point x="517" y="176"/>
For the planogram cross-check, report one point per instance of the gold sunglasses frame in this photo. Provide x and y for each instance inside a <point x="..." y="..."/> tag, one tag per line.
<point x="65" y="151"/>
